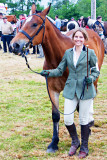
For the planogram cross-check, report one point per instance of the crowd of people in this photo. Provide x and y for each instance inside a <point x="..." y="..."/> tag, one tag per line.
<point x="7" y="30"/>
<point x="97" y="26"/>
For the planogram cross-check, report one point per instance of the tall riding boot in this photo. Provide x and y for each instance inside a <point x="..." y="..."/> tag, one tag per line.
<point x="75" y="141"/>
<point x="84" y="141"/>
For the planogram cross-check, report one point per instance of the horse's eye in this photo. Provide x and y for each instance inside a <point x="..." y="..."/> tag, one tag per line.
<point x="34" y="25"/>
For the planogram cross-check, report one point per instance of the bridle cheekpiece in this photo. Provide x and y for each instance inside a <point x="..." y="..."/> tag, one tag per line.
<point x="31" y="38"/>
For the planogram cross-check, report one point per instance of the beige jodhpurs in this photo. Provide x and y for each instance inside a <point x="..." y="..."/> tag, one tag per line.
<point x="85" y="111"/>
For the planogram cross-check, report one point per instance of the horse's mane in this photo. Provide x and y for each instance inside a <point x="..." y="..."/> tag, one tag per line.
<point x="51" y="22"/>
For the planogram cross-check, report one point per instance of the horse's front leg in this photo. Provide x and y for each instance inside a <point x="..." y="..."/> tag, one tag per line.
<point x="53" y="146"/>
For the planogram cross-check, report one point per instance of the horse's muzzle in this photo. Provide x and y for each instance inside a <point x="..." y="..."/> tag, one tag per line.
<point x="15" y="48"/>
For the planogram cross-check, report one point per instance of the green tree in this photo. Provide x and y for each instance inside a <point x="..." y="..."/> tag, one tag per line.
<point x="21" y="7"/>
<point x="102" y="9"/>
<point x="64" y="9"/>
<point x="83" y="7"/>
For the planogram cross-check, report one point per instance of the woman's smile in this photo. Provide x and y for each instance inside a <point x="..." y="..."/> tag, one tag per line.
<point x="79" y="39"/>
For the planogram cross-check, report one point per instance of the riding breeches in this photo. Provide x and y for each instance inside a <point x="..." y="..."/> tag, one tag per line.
<point x="85" y="111"/>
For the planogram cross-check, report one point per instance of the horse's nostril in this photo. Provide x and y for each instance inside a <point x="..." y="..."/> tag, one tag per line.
<point x="16" y="45"/>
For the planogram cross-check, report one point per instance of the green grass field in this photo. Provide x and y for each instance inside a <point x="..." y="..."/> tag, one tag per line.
<point x="25" y="115"/>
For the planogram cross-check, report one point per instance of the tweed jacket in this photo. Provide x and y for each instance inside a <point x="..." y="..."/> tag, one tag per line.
<point x="74" y="83"/>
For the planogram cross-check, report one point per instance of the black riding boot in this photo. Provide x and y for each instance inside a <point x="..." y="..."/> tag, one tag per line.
<point x="75" y="141"/>
<point x="84" y="141"/>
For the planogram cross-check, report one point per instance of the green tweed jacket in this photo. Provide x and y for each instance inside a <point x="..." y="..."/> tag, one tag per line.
<point x="74" y="83"/>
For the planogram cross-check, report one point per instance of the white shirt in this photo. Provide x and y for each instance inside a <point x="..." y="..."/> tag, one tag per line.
<point x="75" y="59"/>
<point x="1" y="22"/>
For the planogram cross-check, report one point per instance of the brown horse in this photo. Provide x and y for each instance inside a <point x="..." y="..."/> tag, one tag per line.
<point x="38" y="29"/>
<point x="11" y="18"/>
<point x="105" y="26"/>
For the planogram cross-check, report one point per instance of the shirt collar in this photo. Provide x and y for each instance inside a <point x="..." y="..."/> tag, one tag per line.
<point x="83" y="48"/>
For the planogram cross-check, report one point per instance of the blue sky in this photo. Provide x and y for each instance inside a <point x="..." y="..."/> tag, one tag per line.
<point x="45" y="2"/>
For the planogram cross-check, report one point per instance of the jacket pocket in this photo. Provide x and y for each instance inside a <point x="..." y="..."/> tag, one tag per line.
<point x="68" y="81"/>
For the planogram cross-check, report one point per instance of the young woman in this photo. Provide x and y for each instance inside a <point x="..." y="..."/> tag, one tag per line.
<point x="76" y="60"/>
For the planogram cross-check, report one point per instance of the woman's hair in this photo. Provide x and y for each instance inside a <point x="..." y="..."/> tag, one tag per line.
<point x="83" y="31"/>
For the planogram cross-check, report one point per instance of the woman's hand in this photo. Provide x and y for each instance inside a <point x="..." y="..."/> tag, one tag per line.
<point x="45" y="73"/>
<point x="88" y="80"/>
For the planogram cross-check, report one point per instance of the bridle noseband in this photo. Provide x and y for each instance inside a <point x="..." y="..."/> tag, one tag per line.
<point x="31" y="38"/>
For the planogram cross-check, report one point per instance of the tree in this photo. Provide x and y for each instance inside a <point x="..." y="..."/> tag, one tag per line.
<point x="102" y="9"/>
<point x="84" y="7"/>
<point x="21" y="6"/>
<point x="64" y="9"/>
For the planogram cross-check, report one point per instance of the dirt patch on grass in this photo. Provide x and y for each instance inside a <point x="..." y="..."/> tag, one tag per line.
<point x="14" y="67"/>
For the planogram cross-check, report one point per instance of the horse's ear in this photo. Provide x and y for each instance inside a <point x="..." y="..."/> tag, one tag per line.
<point x="46" y="11"/>
<point x="33" y="8"/>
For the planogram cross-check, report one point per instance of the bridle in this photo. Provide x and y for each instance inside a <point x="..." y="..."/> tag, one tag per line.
<point x="31" y="38"/>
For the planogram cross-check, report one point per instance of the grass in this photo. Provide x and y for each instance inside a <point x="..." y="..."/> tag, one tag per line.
<point x="26" y="122"/>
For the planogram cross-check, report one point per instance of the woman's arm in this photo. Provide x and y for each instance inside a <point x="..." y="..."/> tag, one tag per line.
<point x="59" y="70"/>
<point x="94" y="66"/>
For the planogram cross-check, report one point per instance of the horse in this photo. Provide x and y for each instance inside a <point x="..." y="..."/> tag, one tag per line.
<point x="11" y="18"/>
<point x="88" y="22"/>
<point x="71" y="25"/>
<point x="39" y="29"/>
<point x="68" y="25"/>
<point x="64" y="25"/>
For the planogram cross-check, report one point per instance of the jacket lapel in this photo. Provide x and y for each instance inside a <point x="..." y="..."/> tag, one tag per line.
<point x="82" y="55"/>
<point x="71" y="58"/>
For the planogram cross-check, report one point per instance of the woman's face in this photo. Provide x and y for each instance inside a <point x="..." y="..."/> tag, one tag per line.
<point x="79" y="38"/>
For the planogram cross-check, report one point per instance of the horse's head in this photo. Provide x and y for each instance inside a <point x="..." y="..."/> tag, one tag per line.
<point x="32" y="31"/>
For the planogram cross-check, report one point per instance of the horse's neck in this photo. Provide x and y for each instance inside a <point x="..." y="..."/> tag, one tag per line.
<point x="54" y="44"/>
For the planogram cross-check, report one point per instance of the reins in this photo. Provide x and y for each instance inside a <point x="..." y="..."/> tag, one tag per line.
<point x="46" y="77"/>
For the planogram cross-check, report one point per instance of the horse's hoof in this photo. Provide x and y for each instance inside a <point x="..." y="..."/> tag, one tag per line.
<point x="51" y="150"/>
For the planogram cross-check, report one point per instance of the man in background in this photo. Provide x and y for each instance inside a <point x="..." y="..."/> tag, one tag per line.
<point x="99" y="28"/>
<point x="7" y="31"/>
<point x="1" y="22"/>
<point x="57" y="22"/>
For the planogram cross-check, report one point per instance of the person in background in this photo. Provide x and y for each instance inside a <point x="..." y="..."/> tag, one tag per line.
<point x="7" y="31"/>
<point x="41" y="51"/>
<point x="57" y="22"/>
<point x="79" y="22"/>
<point x="76" y="60"/>
<point x="1" y="22"/>
<point x="20" y="22"/>
<point x="99" y="28"/>
<point x="72" y="19"/>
